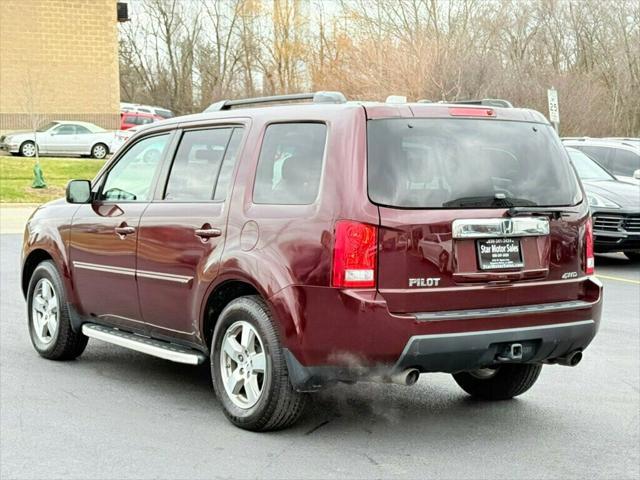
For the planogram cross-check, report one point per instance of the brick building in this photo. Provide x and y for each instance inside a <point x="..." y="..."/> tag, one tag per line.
<point x="58" y="61"/>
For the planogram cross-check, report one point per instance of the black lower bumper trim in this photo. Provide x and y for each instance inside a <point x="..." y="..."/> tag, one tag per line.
<point x="455" y="352"/>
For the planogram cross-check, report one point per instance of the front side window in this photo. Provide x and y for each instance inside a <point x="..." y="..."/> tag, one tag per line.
<point x="131" y="179"/>
<point x="65" y="130"/>
<point x="197" y="164"/>
<point x="46" y="127"/>
<point x="587" y="168"/>
<point x="290" y="164"/>
<point x="465" y="163"/>
<point x="601" y="154"/>
<point x="625" y="162"/>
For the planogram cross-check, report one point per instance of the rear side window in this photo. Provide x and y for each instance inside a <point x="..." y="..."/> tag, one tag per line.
<point x="197" y="165"/>
<point x="290" y="164"/>
<point x="224" y="178"/>
<point x="467" y="163"/>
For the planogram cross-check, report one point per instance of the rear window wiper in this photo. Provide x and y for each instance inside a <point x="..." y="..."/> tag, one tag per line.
<point x="497" y="200"/>
<point x="552" y="212"/>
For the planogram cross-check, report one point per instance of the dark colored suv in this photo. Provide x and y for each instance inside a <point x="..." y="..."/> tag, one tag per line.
<point x="299" y="245"/>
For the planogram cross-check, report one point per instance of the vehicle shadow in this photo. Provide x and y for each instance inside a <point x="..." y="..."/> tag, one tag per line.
<point x="357" y="411"/>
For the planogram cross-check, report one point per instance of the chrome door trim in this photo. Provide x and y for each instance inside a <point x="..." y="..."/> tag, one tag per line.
<point x="169" y="277"/>
<point x="104" y="268"/>
<point x="500" y="227"/>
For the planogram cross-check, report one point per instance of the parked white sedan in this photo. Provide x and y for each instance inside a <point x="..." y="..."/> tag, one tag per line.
<point x="60" y="138"/>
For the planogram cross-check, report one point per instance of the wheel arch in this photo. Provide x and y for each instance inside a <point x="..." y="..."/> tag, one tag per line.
<point x="31" y="262"/>
<point x="220" y="294"/>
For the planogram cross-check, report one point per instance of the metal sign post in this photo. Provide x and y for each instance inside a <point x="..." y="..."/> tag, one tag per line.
<point x="554" y="108"/>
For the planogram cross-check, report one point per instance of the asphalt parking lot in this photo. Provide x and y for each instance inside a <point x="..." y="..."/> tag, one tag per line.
<point x="114" y="413"/>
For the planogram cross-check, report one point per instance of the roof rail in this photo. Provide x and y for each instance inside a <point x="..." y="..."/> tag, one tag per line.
<point x="488" y="102"/>
<point x="316" y="97"/>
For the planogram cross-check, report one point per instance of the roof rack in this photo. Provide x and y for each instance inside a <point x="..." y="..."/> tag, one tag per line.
<point x="488" y="102"/>
<point x="316" y="97"/>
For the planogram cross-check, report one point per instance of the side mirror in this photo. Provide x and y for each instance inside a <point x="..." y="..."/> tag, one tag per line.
<point x="636" y="174"/>
<point x="79" y="191"/>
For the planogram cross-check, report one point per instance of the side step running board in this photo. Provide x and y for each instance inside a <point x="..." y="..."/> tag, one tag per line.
<point x="157" y="348"/>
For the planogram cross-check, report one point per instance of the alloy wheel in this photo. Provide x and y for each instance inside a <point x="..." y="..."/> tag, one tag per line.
<point x="243" y="364"/>
<point x="45" y="311"/>
<point x="29" y="150"/>
<point x="99" y="151"/>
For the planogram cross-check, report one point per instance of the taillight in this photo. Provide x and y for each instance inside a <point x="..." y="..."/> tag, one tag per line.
<point x="354" y="254"/>
<point x="588" y="250"/>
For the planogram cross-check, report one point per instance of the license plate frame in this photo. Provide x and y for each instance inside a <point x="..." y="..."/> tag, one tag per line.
<point x="501" y="253"/>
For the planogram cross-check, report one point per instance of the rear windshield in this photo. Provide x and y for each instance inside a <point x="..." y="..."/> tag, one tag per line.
<point x="467" y="163"/>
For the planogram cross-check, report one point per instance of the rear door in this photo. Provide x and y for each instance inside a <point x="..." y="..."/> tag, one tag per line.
<point x="445" y="186"/>
<point x="182" y="232"/>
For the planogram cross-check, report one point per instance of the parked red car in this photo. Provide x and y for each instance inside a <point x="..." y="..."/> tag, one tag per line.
<point x="297" y="246"/>
<point x="135" y="119"/>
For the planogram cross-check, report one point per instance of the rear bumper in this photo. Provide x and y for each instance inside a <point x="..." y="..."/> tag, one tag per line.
<point x="455" y="352"/>
<point x="357" y="337"/>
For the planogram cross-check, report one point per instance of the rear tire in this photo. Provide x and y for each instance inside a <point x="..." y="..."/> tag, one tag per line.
<point x="508" y="381"/>
<point x="272" y="404"/>
<point x="633" y="256"/>
<point x="99" y="151"/>
<point x="48" y="313"/>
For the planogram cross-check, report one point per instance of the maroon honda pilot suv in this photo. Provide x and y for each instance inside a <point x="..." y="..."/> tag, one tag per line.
<point x="297" y="245"/>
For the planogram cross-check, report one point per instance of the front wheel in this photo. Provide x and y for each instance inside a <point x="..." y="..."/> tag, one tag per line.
<point x="249" y="371"/>
<point x="49" y="319"/>
<point x="28" y="149"/>
<point x="633" y="256"/>
<point x="99" y="151"/>
<point x="499" y="383"/>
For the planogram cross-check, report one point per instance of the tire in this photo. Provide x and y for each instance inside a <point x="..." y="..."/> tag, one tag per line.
<point x="277" y="405"/>
<point x="633" y="256"/>
<point x="507" y="381"/>
<point x="99" y="151"/>
<point x="56" y="341"/>
<point x="28" y="149"/>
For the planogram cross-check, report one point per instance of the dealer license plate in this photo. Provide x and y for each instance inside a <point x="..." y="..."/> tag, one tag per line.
<point x="499" y="253"/>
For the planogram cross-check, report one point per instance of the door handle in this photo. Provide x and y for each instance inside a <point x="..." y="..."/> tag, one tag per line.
<point x="123" y="230"/>
<point x="208" y="232"/>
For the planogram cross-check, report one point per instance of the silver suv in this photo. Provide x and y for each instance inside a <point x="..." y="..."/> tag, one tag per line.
<point x="619" y="156"/>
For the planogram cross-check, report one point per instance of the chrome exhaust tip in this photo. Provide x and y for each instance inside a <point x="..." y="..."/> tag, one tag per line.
<point x="570" y="360"/>
<point x="407" y="377"/>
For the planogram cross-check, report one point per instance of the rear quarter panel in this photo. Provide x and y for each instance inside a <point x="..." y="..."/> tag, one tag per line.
<point x="276" y="246"/>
